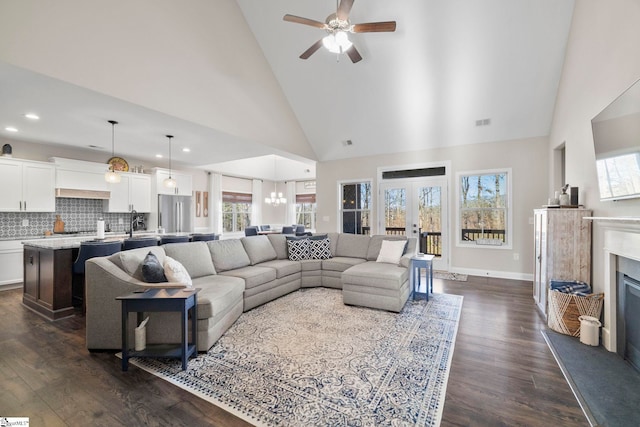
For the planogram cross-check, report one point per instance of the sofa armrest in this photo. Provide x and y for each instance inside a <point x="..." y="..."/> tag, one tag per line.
<point x="104" y="282"/>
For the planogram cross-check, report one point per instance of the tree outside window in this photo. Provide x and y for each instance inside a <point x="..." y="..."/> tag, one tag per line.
<point x="236" y="211"/>
<point x="484" y="208"/>
<point x="356" y="208"/>
<point x="306" y="210"/>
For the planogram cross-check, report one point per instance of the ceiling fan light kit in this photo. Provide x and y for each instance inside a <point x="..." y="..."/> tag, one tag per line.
<point x="337" y="25"/>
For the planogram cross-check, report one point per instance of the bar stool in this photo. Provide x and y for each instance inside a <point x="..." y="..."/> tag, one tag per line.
<point x="139" y="242"/>
<point x="205" y="237"/>
<point x="89" y="249"/>
<point x="173" y="239"/>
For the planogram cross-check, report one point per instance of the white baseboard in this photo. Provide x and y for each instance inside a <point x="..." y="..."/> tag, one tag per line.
<point x="10" y="285"/>
<point x="513" y="275"/>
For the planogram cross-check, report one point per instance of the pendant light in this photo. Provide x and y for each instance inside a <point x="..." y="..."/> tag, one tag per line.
<point x="169" y="182"/>
<point x="111" y="176"/>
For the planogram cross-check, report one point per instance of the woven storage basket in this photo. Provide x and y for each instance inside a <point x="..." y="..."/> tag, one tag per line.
<point x="564" y="310"/>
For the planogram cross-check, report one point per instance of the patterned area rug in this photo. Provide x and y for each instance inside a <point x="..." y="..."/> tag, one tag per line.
<point x="449" y="276"/>
<point x="308" y="359"/>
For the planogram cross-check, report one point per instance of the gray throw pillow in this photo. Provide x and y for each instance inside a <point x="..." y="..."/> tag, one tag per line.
<point x="152" y="269"/>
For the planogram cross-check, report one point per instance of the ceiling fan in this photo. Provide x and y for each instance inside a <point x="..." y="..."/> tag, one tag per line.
<point x="337" y="25"/>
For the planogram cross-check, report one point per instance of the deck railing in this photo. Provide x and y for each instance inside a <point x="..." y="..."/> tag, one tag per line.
<point x="431" y="242"/>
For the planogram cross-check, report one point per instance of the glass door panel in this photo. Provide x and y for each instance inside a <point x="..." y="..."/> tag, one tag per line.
<point x="417" y="208"/>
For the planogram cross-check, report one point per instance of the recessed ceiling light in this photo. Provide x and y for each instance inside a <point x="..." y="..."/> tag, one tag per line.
<point x="11" y="129"/>
<point x="32" y="116"/>
<point x="159" y="156"/>
<point x="186" y="150"/>
<point x="95" y="147"/>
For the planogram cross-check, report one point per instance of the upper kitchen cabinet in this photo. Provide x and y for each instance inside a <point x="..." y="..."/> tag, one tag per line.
<point x="80" y="179"/>
<point x="30" y="186"/>
<point x="133" y="192"/>
<point x="184" y="182"/>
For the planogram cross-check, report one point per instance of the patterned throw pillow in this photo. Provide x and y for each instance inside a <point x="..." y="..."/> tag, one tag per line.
<point x="319" y="247"/>
<point x="298" y="249"/>
<point x="152" y="270"/>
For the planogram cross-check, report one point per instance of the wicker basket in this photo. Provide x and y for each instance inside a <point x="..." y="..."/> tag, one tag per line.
<point x="564" y="310"/>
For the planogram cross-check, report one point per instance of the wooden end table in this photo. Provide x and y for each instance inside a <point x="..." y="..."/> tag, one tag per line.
<point x="161" y="300"/>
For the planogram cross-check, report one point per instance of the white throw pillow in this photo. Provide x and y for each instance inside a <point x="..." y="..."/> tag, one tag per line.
<point x="391" y="251"/>
<point x="176" y="272"/>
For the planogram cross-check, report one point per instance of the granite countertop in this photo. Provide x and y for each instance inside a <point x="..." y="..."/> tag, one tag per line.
<point x="57" y="242"/>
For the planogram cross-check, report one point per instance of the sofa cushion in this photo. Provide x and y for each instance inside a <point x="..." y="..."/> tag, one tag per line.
<point x="217" y="293"/>
<point x="195" y="257"/>
<point x="228" y="254"/>
<point x="376" y="243"/>
<point x="391" y="251"/>
<point x="376" y="275"/>
<point x="259" y="249"/>
<point x="152" y="269"/>
<point x="279" y="243"/>
<point x="283" y="267"/>
<point x="352" y="245"/>
<point x="176" y="272"/>
<point x="319" y="247"/>
<point x="253" y="276"/>
<point x="340" y="263"/>
<point x="298" y="248"/>
<point x="131" y="261"/>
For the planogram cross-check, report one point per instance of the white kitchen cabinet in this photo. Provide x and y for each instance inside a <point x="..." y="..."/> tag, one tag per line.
<point x="80" y="175"/>
<point x="184" y="182"/>
<point x="30" y="186"/>
<point x="10" y="262"/>
<point x="132" y="192"/>
<point x="562" y="250"/>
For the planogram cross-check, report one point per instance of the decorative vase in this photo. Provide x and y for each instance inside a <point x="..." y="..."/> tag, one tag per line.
<point x="565" y="199"/>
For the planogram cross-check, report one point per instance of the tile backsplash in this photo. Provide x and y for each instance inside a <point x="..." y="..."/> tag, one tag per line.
<point x="78" y="215"/>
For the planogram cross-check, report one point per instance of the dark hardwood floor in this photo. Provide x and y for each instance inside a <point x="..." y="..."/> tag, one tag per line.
<point x="502" y="373"/>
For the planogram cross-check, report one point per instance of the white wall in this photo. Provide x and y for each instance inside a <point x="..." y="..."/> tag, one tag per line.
<point x="602" y="61"/>
<point x="170" y="56"/>
<point x="528" y="160"/>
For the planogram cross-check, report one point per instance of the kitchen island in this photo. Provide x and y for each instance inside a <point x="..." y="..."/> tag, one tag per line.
<point x="48" y="273"/>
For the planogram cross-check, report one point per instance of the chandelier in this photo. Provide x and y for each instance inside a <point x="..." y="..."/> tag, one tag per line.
<point x="275" y="198"/>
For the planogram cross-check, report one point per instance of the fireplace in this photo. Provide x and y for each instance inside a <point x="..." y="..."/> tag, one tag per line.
<point x="621" y="258"/>
<point x="628" y="319"/>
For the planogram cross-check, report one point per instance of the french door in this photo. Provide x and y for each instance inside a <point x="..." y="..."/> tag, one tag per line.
<point x="417" y="208"/>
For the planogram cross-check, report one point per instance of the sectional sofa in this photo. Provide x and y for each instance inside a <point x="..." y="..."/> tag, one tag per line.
<point x="236" y="275"/>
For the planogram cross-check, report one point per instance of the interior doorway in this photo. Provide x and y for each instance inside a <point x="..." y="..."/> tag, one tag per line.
<point x="417" y="207"/>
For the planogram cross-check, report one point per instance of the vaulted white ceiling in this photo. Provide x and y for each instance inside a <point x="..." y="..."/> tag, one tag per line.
<point x="225" y="76"/>
<point x="449" y="63"/>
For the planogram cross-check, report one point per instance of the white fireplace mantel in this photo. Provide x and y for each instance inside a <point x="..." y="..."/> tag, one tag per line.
<point x="621" y="239"/>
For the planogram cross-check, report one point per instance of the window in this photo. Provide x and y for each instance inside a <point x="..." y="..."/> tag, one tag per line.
<point x="484" y="208"/>
<point x="356" y="208"/>
<point x="236" y="211"/>
<point x="306" y="210"/>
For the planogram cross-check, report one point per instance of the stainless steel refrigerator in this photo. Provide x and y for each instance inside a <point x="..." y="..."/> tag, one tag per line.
<point x="174" y="213"/>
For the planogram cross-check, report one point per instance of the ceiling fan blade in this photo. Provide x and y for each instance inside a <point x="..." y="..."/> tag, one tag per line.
<point x="344" y="9"/>
<point x="307" y="53"/>
<point x="305" y="21"/>
<point x="353" y="53"/>
<point x="375" y="27"/>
